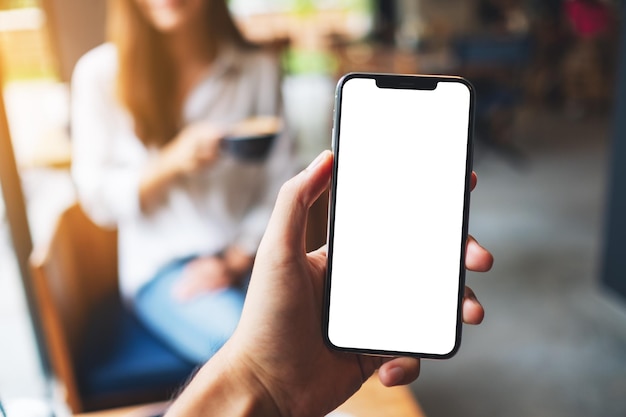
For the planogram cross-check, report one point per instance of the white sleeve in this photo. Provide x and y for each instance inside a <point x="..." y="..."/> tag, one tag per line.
<point x="279" y="168"/>
<point x="107" y="183"/>
<point x="280" y="164"/>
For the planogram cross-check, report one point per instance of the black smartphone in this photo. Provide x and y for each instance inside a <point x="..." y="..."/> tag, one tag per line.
<point x="399" y="205"/>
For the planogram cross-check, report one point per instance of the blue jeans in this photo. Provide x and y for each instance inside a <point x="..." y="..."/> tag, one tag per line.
<point x="194" y="328"/>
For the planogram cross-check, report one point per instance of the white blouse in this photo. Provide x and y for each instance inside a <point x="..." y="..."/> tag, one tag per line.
<point x="227" y="204"/>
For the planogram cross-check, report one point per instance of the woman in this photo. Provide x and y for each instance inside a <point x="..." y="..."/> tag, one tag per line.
<point x="148" y="112"/>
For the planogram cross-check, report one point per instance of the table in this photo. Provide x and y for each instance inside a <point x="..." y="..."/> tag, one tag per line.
<point x="372" y="400"/>
<point x="376" y="400"/>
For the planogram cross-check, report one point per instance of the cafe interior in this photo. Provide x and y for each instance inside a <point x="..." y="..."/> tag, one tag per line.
<point x="549" y="151"/>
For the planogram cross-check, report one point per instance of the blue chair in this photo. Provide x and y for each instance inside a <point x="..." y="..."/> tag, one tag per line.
<point x="505" y="52"/>
<point x="495" y="65"/>
<point x="98" y="350"/>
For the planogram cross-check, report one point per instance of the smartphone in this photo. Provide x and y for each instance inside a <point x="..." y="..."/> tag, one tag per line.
<point x="399" y="204"/>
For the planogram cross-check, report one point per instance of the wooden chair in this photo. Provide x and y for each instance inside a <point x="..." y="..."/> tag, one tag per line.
<point x="102" y="356"/>
<point x="99" y="352"/>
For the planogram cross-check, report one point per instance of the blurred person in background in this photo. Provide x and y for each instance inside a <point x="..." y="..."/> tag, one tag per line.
<point x="503" y="17"/>
<point x="550" y="37"/>
<point x="149" y="110"/>
<point x="588" y="65"/>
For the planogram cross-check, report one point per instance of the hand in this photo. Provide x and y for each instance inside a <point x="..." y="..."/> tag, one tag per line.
<point x="276" y="363"/>
<point x="238" y="262"/>
<point x="196" y="147"/>
<point x="201" y="275"/>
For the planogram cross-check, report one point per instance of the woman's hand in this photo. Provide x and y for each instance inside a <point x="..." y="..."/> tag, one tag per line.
<point x="212" y="273"/>
<point x="238" y="262"/>
<point x="201" y="275"/>
<point x="276" y="363"/>
<point x="195" y="148"/>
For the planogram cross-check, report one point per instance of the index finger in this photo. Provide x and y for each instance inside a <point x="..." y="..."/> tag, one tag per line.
<point x="473" y="181"/>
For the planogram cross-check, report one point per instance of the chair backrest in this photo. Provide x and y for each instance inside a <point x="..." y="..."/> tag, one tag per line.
<point x="75" y="271"/>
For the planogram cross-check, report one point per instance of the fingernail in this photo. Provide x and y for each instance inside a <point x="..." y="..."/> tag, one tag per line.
<point x="317" y="160"/>
<point x="396" y="375"/>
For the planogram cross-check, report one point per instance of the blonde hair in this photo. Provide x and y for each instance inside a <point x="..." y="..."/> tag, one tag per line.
<point x="146" y="83"/>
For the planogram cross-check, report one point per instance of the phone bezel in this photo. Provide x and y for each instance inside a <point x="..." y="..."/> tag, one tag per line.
<point x="401" y="81"/>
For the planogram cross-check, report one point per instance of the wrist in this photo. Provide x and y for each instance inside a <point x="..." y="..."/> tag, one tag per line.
<point x="224" y="386"/>
<point x="169" y="163"/>
<point x="155" y="180"/>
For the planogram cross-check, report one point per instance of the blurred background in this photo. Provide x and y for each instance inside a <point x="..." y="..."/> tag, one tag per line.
<point x="550" y="152"/>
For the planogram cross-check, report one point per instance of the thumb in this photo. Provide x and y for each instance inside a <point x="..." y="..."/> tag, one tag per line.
<point x="287" y="226"/>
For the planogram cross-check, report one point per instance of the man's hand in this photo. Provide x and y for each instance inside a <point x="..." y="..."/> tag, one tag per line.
<point x="276" y="363"/>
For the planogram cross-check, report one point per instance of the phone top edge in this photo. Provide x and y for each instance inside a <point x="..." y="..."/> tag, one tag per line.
<point x="393" y="80"/>
<point x="372" y="75"/>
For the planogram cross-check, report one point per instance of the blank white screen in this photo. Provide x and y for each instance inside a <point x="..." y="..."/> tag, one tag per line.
<point x="398" y="217"/>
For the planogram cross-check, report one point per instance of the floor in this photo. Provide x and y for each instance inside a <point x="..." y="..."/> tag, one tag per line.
<point x="553" y="342"/>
